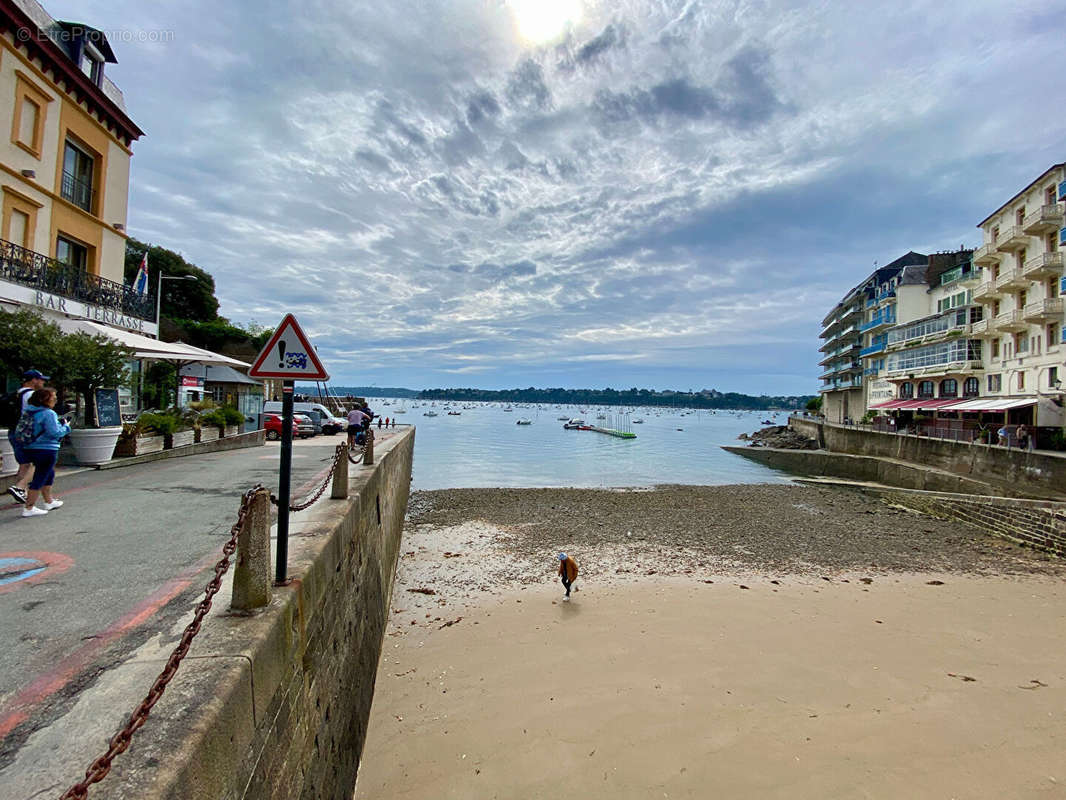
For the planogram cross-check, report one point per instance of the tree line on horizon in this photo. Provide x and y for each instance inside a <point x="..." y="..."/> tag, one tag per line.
<point x="708" y="398"/>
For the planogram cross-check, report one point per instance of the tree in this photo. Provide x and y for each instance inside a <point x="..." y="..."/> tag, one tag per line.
<point x="89" y="363"/>
<point x="182" y="300"/>
<point x="27" y="341"/>
<point x="814" y="405"/>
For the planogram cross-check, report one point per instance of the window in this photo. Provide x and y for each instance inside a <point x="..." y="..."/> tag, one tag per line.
<point x="1019" y="215"/>
<point x="995" y="234"/>
<point x="949" y="387"/>
<point x="1021" y="381"/>
<point x="906" y="391"/>
<point x="971" y="387"/>
<point x="1049" y="195"/>
<point x="1051" y="243"/>
<point x="1052" y="377"/>
<point x="1019" y="258"/>
<point x="1023" y="297"/>
<point x="995" y="383"/>
<point x="995" y="308"/>
<point x="72" y="253"/>
<point x="995" y="348"/>
<point x="1021" y="343"/>
<point x="1052" y="335"/>
<point x="925" y="389"/>
<point x="27" y="125"/>
<point x="77" y="186"/>
<point x="18" y="227"/>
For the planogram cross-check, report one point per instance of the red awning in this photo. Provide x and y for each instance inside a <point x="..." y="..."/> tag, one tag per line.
<point x="888" y="405"/>
<point x="944" y="404"/>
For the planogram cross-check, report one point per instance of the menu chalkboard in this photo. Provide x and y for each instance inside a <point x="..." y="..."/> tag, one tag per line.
<point x="107" y="410"/>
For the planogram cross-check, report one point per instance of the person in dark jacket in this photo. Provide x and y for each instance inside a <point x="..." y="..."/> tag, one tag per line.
<point x="48" y="431"/>
<point x="567" y="571"/>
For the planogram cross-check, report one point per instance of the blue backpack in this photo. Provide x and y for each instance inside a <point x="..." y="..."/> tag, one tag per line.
<point x="25" y="432"/>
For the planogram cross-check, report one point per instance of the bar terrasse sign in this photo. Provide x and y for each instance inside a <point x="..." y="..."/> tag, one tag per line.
<point x="77" y="308"/>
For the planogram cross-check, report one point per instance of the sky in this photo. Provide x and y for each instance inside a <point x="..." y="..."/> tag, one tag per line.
<point x="512" y="193"/>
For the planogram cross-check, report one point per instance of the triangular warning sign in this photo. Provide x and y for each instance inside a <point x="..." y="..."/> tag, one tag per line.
<point x="288" y="355"/>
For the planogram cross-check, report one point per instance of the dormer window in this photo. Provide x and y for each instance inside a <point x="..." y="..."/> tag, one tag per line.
<point x="92" y="63"/>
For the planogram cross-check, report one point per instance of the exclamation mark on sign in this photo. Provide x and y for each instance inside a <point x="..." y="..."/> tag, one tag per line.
<point x="281" y="353"/>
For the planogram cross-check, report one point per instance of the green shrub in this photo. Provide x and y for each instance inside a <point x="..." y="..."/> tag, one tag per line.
<point x="215" y="416"/>
<point x="232" y="415"/>
<point x="158" y="424"/>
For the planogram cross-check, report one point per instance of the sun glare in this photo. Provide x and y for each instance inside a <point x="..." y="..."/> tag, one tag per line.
<point x="540" y="21"/>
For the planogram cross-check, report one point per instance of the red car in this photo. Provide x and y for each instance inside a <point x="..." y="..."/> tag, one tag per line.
<point x="302" y="426"/>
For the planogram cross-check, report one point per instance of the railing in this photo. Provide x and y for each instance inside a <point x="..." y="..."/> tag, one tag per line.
<point x="950" y="320"/>
<point x="877" y="321"/>
<point x="1045" y="218"/>
<point x="874" y="348"/>
<point x="28" y="268"/>
<point x="79" y="192"/>
<point x="1013" y="238"/>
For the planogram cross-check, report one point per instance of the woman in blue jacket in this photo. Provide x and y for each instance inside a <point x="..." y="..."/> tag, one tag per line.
<point x="48" y="430"/>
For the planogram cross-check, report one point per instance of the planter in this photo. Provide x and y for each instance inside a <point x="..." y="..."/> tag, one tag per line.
<point x="94" y="445"/>
<point x="8" y="466"/>
<point x="208" y="433"/>
<point x="232" y="430"/>
<point x="179" y="439"/>
<point x="139" y="446"/>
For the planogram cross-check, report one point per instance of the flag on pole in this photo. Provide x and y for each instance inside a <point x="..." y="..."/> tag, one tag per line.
<point x="140" y="283"/>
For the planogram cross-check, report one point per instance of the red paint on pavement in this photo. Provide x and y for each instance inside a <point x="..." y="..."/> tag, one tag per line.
<point x="55" y="563"/>
<point x="17" y="709"/>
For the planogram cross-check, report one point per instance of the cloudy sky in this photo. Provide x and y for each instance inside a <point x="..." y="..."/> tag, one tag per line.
<point x="500" y="193"/>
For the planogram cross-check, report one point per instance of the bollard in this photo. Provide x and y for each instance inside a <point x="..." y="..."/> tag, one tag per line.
<point x="251" y="575"/>
<point x="368" y="448"/>
<point x="340" y="474"/>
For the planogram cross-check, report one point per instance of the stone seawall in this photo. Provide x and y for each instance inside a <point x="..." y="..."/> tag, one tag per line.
<point x="274" y="705"/>
<point x="862" y="468"/>
<point x="1009" y="472"/>
<point x="1039" y="524"/>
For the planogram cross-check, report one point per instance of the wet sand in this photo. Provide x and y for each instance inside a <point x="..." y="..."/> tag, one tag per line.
<point x="786" y="672"/>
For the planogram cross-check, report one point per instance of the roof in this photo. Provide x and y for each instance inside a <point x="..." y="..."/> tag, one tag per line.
<point x="913" y="275"/>
<point x="212" y="373"/>
<point x="31" y="27"/>
<point x="1028" y="186"/>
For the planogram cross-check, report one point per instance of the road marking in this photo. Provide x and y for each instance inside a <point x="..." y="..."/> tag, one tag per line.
<point x="26" y="568"/>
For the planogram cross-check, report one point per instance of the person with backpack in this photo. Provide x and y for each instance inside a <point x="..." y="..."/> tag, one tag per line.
<point x="40" y="431"/>
<point x="11" y="408"/>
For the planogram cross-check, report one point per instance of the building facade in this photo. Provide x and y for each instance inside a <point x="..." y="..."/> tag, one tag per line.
<point x="65" y="147"/>
<point x="1021" y="291"/>
<point x="854" y="343"/>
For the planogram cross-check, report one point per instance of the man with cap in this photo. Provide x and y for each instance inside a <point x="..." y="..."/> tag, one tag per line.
<point x="568" y="572"/>
<point x="32" y="380"/>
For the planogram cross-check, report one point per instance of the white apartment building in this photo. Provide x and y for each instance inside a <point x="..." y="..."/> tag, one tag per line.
<point x="1021" y="290"/>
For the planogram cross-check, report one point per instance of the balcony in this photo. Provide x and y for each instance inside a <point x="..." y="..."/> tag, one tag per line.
<point x="879" y="321"/>
<point x="982" y="330"/>
<point x="1011" y="321"/>
<point x="1010" y="279"/>
<point x="1044" y="220"/>
<point x="986" y="256"/>
<point x="987" y="291"/>
<point x="1045" y="310"/>
<point x="78" y="192"/>
<point x="1045" y="265"/>
<point x="37" y="271"/>
<point x="1011" y="239"/>
<point x="872" y="349"/>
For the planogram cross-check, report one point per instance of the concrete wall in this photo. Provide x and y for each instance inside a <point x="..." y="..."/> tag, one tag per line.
<point x="274" y="706"/>
<point x="1013" y="473"/>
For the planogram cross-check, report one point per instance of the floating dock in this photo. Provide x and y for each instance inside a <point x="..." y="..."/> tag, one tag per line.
<point x="613" y="432"/>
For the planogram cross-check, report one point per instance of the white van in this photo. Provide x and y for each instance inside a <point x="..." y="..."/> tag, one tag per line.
<point x="329" y="423"/>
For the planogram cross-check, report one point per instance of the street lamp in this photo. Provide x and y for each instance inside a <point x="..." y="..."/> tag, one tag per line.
<point x="159" y="293"/>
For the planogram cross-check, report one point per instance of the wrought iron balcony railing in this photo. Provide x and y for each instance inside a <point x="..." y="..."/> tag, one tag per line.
<point x="29" y="268"/>
<point x="79" y="192"/>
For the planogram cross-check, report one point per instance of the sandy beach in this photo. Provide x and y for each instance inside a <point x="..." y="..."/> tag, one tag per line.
<point x="755" y="641"/>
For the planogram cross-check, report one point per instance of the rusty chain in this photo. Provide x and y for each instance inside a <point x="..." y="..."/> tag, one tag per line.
<point x="121" y="740"/>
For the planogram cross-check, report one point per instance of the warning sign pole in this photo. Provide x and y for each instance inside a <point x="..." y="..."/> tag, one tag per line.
<point x="284" y="485"/>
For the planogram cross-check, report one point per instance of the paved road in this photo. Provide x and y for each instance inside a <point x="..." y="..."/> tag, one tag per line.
<point x="129" y="552"/>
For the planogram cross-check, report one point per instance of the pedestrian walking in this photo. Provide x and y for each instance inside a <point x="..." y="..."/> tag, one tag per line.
<point x="567" y="571"/>
<point x="1025" y="438"/>
<point x="379" y="423"/>
<point x="14" y="405"/>
<point x="356" y="418"/>
<point x="1004" y="436"/>
<point x="43" y="448"/>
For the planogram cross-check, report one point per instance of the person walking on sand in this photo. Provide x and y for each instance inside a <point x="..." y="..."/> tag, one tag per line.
<point x="43" y="449"/>
<point x="567" y="571"/>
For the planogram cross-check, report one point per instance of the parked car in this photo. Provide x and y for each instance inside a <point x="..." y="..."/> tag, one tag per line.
<point x="302" y="426"/>
<point x="325" y="421"/>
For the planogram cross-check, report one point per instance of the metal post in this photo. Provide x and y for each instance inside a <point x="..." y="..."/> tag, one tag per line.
<point x="284" y="488"/>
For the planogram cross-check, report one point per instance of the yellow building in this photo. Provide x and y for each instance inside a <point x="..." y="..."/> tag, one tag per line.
<point x="65" y="142"/>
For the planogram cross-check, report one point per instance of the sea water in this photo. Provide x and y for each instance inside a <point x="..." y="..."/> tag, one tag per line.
<point x="483" y="446"/>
